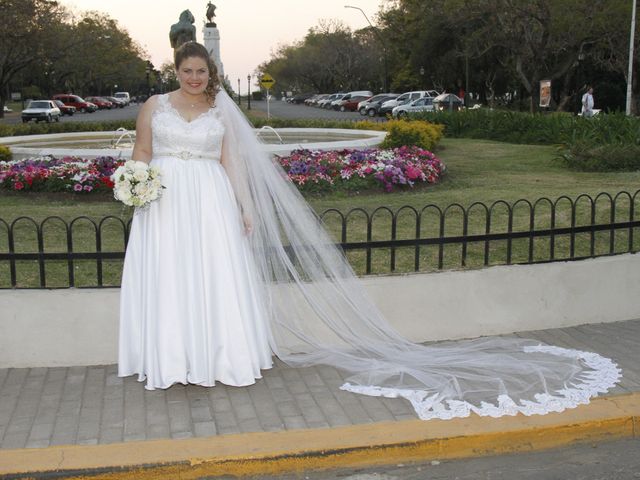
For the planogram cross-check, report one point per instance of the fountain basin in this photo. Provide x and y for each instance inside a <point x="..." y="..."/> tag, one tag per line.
<point x="100" y="144"/>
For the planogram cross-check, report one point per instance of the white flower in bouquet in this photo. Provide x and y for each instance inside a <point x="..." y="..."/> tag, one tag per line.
<point x="136" y="184"/>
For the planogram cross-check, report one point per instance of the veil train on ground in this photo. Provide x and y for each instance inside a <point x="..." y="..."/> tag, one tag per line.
<point x="320" y="313"/>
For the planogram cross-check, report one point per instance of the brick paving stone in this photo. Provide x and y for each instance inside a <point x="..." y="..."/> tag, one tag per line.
<point x="226" y="425"/>
<point x="110" y="435"/>
<point x="294" y="382"/>
<point x="157" y="431"/>
<point x="295" y="423"/>
<point x="274" y="382"/>
<point x="47" y="409"/>
<point x="70" y="407"/>
<point x="398" y="407"/>
<point x="281" y="395"/>
<point x="205" y="429"/>
<point x="41" y="431"/>
<point x="310" y="411"/>
<point x="16" y="440"/>
<point x="201" y="414"/>
<point x="65" y="430"/>
<point x="250" y="425"/>
<point x="38" y="443"/>
<point x="179" y="415"/>
<point x="288" y="408"/>
<point x="376" y="408"/>
<point x="352" y="406"/>
<point x="181" y="435"/>
<point x="332" y="410"/>
<point x="265" y="407"/>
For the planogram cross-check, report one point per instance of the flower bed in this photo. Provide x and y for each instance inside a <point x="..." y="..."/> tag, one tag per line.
<point x="310" y="171"/>
<point x="67" y="174"/>
<point x="317" y="171"/>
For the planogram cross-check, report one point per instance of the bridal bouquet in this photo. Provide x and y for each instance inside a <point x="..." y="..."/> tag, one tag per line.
<point x="136" y="184"/>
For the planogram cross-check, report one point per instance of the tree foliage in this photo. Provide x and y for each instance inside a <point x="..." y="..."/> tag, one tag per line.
<point x="44" y="50"/>
<point x="498" y="50"/>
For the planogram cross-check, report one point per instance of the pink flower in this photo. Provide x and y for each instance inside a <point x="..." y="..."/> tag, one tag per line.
<point x="77" y="187"/>
<point x="88" y="188"/>
<point x="18" y="185"/>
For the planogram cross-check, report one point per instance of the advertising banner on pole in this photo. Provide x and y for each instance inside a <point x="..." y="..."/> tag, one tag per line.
<point x="545" y="93"/>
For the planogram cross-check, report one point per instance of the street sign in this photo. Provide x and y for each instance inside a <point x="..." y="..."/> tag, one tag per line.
<point x="267" y="81"/>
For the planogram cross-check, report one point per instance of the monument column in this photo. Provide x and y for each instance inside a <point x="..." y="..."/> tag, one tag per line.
<point x="211" y="36"/>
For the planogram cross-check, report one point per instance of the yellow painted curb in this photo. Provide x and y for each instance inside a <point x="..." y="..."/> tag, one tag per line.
<point x="340" y="447"/>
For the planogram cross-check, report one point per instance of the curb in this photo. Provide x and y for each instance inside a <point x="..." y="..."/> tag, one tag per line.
<point x="272" y="453"/>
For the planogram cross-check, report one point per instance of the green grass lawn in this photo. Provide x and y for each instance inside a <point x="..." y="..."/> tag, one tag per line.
<point x="478" y="171"/>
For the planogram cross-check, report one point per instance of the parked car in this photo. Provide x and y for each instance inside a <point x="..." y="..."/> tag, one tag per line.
<point x="372" y="105"/>
<point x="351" y="104"/>
<point x="448" y="101"/>
<point x="389" y="105"/>
<point x="301" y="97"/>
<point x="315" y="99"/>
<point x="424" y="104"/>
<point x="75" y="101"/>
<point x="101" y="102"/>
<point x="65" y="109"/>
<point x="322" y="103"/>
<point x="117" y="102"/>
<point x="124" y="96"/>
<point x="41" y="110"/>
<point x="335" y="103"/>
<point x="7" y="109"/>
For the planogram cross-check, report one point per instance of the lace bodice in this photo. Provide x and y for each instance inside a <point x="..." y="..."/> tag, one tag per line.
<point x="173" y="136"/>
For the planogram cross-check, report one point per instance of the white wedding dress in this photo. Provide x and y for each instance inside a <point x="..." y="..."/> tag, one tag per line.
<point x="202" y="302"/>
<point x="189" y="309"/>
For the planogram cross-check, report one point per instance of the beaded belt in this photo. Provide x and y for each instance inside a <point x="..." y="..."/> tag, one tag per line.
<point x="186" y="155"/>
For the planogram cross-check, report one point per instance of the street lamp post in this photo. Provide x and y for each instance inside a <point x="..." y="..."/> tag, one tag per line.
<point x="384" y="46"/>
<point x="248" y="92"/>
<point x="239" y="96"/>
<point x="630" y="74"/>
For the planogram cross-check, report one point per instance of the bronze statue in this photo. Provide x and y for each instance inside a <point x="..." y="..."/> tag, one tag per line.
<point x="183" y="31"/>
<point x="211" y="13"/>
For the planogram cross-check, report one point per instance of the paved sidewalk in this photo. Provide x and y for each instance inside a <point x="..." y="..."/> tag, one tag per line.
<point x="45" y="407"/>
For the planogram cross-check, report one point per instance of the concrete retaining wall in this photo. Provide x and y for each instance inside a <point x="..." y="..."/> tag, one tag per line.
<point x="80" y="326"/>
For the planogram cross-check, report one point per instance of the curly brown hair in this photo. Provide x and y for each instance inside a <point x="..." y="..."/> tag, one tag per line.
<point x="194" y="49"/>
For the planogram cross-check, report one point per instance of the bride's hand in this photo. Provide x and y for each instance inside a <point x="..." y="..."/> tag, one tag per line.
<point x="248" y="223"/>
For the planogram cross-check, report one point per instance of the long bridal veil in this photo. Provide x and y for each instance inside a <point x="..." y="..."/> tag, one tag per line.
<point x="320" y="313"/>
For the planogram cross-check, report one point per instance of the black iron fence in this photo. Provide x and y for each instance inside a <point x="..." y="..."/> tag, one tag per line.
<point x="83" y="252"/>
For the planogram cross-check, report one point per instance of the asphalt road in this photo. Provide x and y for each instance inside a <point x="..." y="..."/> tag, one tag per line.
<point x="127" y="113"/>
<point x="285" y="110"/>
<point x="277" y="108"/>
<point x="617" y="460"/>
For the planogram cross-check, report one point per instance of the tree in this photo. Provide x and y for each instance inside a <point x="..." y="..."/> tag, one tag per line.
<point x="330" y="58"/>
<point x="28" y="31"/>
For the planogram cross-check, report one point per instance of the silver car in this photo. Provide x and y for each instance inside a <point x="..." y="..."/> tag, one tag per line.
<point x="424" y="104"/>
<point x="41" y="110"/>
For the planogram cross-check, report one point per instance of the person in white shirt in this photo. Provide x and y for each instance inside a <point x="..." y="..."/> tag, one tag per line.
<point x="587" y="103"/>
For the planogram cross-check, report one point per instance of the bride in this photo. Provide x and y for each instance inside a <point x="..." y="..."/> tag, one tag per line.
<point x="231" y="266"/>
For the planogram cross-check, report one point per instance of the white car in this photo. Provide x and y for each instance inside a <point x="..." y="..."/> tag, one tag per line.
<point x="335" y="103"/>
<point x="407" y="97"/>
<point x="41" y="110"/>
<point x="326" y="101"/>
<point x="424" y="104"/>
<point x="124" y="96"/>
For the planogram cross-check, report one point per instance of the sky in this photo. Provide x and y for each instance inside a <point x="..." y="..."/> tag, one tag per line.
<point x="250" y="30"/>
